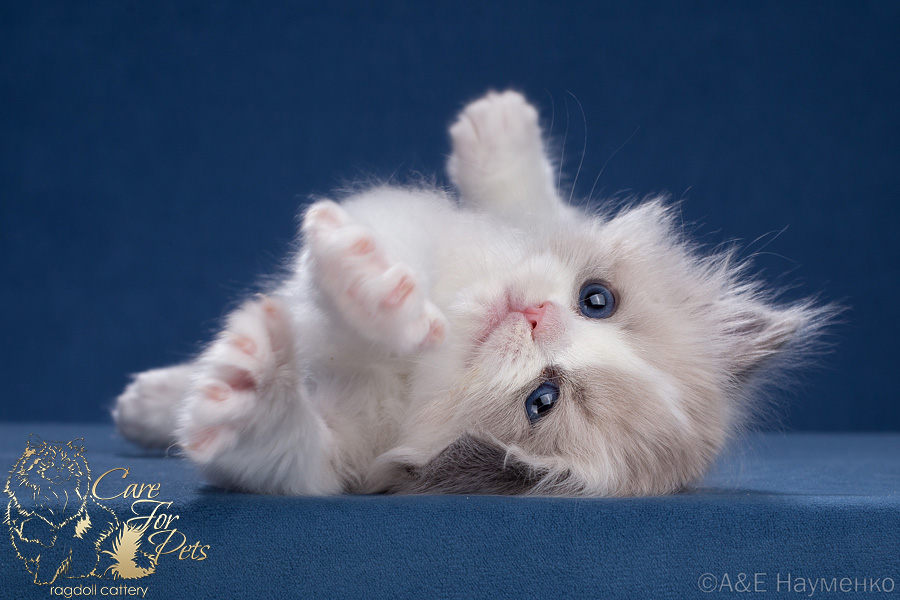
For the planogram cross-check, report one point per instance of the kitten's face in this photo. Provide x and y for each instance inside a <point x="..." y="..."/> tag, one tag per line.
<point x="601" y="361"/>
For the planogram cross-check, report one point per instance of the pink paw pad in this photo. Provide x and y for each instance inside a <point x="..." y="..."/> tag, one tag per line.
<point x="436" y="332"/>
<point x="362" y="246"/>
<point x="238" y="379"/>
<point x="203" y="439"/>
<point x="270" y="307"/>
<point x="217" y="392"/>
<point x="401" y="292"/>
<point x="325" y="214"/>
<point x="245" y="344"/>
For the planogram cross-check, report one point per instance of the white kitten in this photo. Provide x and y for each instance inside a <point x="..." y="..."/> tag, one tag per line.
<point x="508" y="344"/>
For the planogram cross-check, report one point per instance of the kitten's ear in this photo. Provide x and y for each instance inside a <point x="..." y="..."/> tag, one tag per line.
<point x="77" y="445"/>
<point x="759" y="333"/>
<point x="470" y="465"/>
<point x="34" y="441"/>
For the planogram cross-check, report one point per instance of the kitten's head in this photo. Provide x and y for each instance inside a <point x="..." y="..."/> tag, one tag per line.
<point x="610" y="358"/>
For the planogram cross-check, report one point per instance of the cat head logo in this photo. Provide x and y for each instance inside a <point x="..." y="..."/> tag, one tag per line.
<point x="56" y="525"/>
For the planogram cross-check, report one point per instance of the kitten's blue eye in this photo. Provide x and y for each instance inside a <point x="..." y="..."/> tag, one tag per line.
<point x="541" y="401"/>
<point x="596" y="301"/>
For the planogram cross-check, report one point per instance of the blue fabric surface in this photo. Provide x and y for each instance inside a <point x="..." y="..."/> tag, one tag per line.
<point x="784" y="508"/>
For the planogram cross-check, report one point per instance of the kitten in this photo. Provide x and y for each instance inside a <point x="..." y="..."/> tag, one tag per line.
<point x="505" y="343"/>
<point x="55" y="524"/>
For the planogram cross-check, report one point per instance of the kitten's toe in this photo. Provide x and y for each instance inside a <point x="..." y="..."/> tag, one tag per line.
<point x="323" y="216"/>
<point x="437" y="327"/>
<point x="395" y="295"/>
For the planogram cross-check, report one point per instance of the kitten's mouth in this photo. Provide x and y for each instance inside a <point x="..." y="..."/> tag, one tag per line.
<point x="515" y="325"/>
<point x="503" y="310"/>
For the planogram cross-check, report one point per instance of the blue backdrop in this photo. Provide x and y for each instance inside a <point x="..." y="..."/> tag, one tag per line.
<point x="153" y="157"/>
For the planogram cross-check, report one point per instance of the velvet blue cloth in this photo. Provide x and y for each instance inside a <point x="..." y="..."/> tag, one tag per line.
<point x="783" y="515"/>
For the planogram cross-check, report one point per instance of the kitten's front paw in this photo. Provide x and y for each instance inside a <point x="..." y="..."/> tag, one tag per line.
<point x="236" y="380"/>
<point x="492" y="136"/>
<point x="381" y="299"/>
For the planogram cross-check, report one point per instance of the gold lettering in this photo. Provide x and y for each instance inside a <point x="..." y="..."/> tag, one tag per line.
<point x="202" y="550"/>
<point x="99" y="479"/>
<point x="134" y="491"/>
<point x="145" y="520"/>
<point x="161" y="548"/>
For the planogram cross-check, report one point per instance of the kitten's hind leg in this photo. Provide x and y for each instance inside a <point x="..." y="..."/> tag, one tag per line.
<point x="381" y="299"/>
<point x="499" y="162"/>
<point x="145" y="412"/>
<point x="247" y="420"/>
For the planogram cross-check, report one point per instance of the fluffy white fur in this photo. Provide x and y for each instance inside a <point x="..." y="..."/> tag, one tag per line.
<point x="399" y="354"/>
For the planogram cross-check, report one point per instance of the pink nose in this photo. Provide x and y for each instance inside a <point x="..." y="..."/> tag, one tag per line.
<point x="535" y="314"/>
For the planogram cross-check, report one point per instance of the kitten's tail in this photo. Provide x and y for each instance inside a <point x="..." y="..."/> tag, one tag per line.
<point x="145" y="412"/>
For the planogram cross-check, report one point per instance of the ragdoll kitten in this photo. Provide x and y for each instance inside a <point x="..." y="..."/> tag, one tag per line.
<point x="502" y="343"/>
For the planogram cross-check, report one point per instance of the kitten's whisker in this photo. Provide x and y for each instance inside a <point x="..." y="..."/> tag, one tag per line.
<point x="562" y="153"/>
<point x="775" y="235"/>
<point x="552" y="114"/>
<point x="583" y="147"/>
<point x="616" y="151"/>
<point x="775" y="254"/>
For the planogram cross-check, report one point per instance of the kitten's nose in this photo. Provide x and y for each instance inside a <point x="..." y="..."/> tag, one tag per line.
<point x="535" y="314"/>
